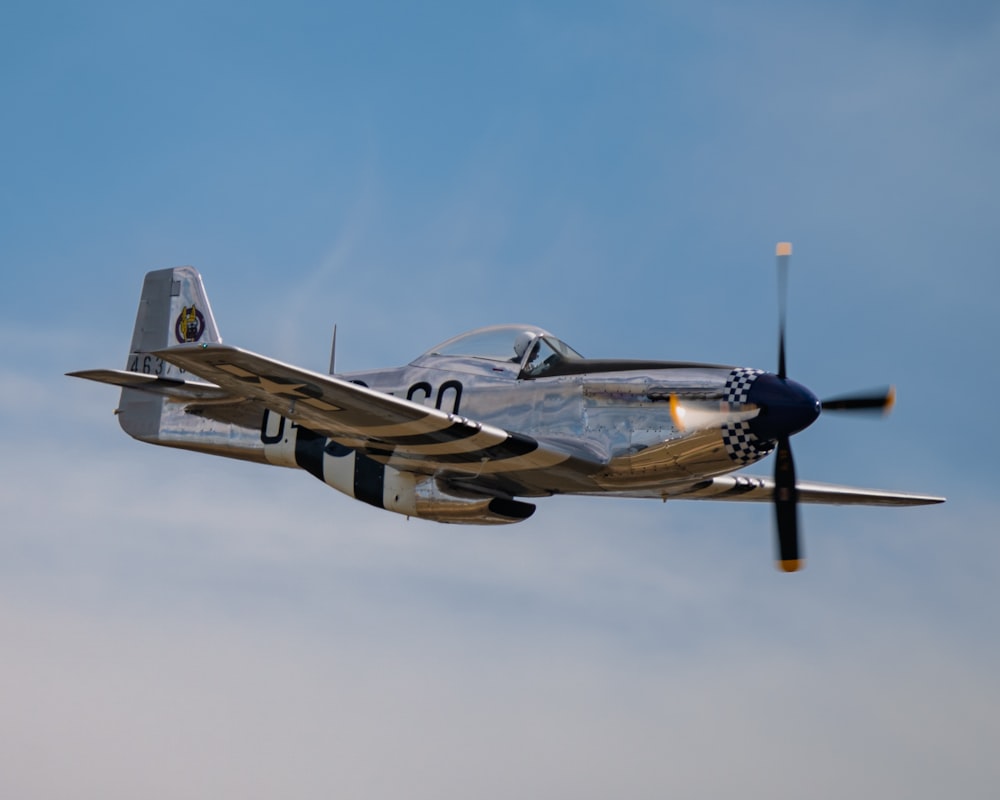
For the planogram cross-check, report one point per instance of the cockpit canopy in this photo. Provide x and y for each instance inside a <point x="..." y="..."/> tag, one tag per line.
<point x="531" y="348"/>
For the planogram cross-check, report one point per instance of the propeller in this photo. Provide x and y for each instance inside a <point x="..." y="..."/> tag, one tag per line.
<point x="782" y="252"/>
<point x="783" y="409"/>
<point x="877" y="401"/>
<point x="786" y="509"/>
<point x="786" y="495"/>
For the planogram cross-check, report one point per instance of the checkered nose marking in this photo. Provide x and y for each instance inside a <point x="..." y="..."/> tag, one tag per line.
<point x="741" y="445"/>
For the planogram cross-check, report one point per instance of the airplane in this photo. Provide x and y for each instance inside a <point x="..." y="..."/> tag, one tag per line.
<point x="477" y="427"/>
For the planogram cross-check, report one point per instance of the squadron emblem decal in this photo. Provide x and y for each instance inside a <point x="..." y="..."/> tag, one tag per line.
<point x="190" y="325"/>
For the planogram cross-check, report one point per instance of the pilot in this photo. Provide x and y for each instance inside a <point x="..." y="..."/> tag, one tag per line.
<point x="524" y="338"/>
<point x="523" y="341"/>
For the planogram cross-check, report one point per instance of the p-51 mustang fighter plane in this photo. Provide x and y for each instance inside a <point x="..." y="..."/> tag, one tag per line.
<point x="470" y="427"/>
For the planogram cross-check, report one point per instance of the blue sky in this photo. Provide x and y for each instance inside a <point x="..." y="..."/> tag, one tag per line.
<point x="619" y="174"/>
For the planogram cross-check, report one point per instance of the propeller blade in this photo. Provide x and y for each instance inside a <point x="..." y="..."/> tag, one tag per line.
<point x="786" y="509"/>
<point x="879" y="400"/>
<point x="692" y="415"/>
<point x="782" y="252"/>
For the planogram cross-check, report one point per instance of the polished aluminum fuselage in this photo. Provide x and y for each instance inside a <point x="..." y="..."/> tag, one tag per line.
<point x="618" y="414"/>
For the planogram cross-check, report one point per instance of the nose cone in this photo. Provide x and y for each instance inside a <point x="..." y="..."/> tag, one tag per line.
<point x="786" y="407"/>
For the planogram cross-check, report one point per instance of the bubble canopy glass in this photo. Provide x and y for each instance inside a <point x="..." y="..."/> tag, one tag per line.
<point x="497" y="343"/>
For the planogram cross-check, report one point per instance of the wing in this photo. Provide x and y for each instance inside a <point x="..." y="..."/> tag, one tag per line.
<point x="394" y="431"/>
<point x="752" y="489"/>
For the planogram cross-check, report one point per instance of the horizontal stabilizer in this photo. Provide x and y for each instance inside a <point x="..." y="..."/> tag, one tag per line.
<point x="167" y="387"/>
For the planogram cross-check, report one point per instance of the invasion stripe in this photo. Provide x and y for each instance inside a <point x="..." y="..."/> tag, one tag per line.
<point x="513" y="446"/>
<point x="369" y="481"/>
<point x="309" y="447"/>
<point x="453" y="433"/>
<point x="427" y="424"/>
<point x="481" y="441"/>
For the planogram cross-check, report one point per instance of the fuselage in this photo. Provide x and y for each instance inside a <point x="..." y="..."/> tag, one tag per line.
<point x="612" y="411"/>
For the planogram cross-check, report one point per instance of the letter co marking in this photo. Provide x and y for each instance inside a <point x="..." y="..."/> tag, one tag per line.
<point x="449" y="394"/>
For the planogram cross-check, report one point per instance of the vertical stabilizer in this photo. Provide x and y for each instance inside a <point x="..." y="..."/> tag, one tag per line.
<point x="161" y="403"/>
<point x="173" y="309"/>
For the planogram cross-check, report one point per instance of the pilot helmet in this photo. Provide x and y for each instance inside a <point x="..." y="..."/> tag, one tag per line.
<point x="523" y="342"/>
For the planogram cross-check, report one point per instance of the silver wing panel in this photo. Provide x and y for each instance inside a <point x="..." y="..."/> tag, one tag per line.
<point x="752" y="489"/>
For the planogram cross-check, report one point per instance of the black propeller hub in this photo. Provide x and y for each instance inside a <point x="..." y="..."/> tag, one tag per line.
<point x="786" y="407"/>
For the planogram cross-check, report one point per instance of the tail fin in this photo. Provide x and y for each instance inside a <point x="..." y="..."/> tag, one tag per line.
<point x="173" y="309"/>
<point x="160" y="403"/>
